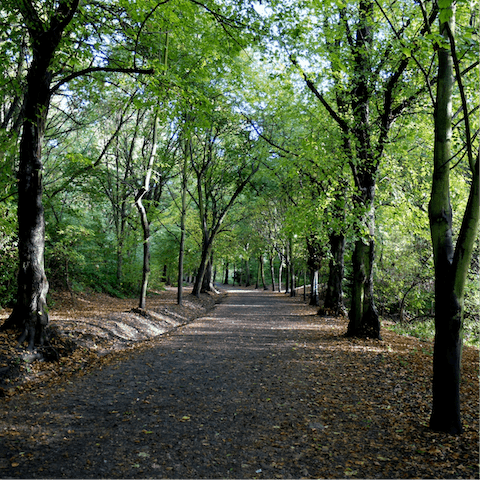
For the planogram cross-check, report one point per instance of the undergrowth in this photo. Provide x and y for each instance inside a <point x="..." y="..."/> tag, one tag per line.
<point x="425" y="330"/>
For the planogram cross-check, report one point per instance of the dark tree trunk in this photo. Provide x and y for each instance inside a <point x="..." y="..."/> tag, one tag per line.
<point x="293" y="291"/>
<point x="334" y="294"/>
<point x="314" y="262"/>
<point x="225" y="282"/>
<point x="364" y="321"/>
<point x="451" y="259"/>
<point x="208" y="278"/>
<point x="198" y="285"/>
<point x="247" y="273"/>
<point x="30" y="314"/>
<point x="447" y="354"/>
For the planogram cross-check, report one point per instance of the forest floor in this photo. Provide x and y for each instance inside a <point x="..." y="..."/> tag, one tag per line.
<point x="259" y="387"/>
<point x="88" y="327"/>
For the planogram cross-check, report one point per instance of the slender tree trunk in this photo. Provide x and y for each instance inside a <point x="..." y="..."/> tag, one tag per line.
<point x="183" y="215"/>
<point x="146" y="249"/>
<point x="314" y="300"/>
<point x="262" y="273"/>
<point x="272" y="272"/>
<point x="225" y="282"/>
<point x="304" y="285"/>
<point x="181" y="251"/>
<point x="247" y="273"/>
<point x="293" y="291"/>
<point x="144" y="218"/>
<point x="287" y="276"/>
<point x="280" y="271"/>
<point x="451" y="259"/>
<point x="334" y="294"/>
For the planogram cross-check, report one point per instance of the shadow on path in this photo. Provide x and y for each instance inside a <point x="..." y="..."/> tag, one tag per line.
<point x="260" y="388"/>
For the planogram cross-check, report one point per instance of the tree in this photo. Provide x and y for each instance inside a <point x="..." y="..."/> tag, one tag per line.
<point x="223" y="168"/>
<point x="451" y="258"/>
<point x="371" y="84"/>
<point x="30" y="312"/>
<point x="46" y="28"/>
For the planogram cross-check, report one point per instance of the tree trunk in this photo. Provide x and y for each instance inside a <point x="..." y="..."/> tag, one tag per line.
<point x="293" y="291"/>
<point x="183" y="215"/>
<point x="208" y="278"/>
<point x="280" y="271"/>
<point x="334" y="294"/>
<point x="247" y="273"/>
<point x="30" y="314"/>
<point x="146" y="248"/>
<point x="262" y="273"/>
<point x="451" y="262"/>
<point x="364" y="321"/>
<point x="197" y="286"/>
<point x="144" y="218"/>
<point x="314" y="300"/>
<point x="272" y="272"/>
<point x="225" y="282"/>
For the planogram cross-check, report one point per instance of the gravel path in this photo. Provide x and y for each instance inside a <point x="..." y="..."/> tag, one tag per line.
<point x="241" y="393"/>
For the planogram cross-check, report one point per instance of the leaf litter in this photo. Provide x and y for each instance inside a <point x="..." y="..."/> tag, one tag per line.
<point x="261" y="397"/>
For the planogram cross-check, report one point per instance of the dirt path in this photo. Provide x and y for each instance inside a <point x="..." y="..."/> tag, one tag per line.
<point x="261" y="388"/>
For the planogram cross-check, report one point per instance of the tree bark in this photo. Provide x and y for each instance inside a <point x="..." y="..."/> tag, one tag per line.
<point x="262" y="272"/>
<point x="334" y="294"/>
<point x="30" y="313"/>
<point x="144" y="218"/>
<point x="272" y="272"/>
<point x="314" y="298"/>
<point x="451" y="259"/>
<point x="363" y="315"/>
<point x="225" y="282"/>
<point x="183" y="215"/>
<point x="197" y="286"/>
<point x="146" y="248"/>
<point x="280" y="271"/>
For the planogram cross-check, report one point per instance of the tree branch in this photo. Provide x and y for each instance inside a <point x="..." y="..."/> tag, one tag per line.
<point x="466" y="115"/>
<point x="341" y="122"/>
<point x="86" y="71"/>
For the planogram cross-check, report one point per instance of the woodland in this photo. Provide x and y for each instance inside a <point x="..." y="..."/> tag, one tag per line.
<point x="333" y="144"/>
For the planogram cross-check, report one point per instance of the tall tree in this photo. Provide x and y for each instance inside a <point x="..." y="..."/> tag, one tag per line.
<point x="30" y="312"/>
<point x="372" y="84"/>
<point x="223" y="168"/>
<point x="451" y="256"/>
<point x="46" y="26"/>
